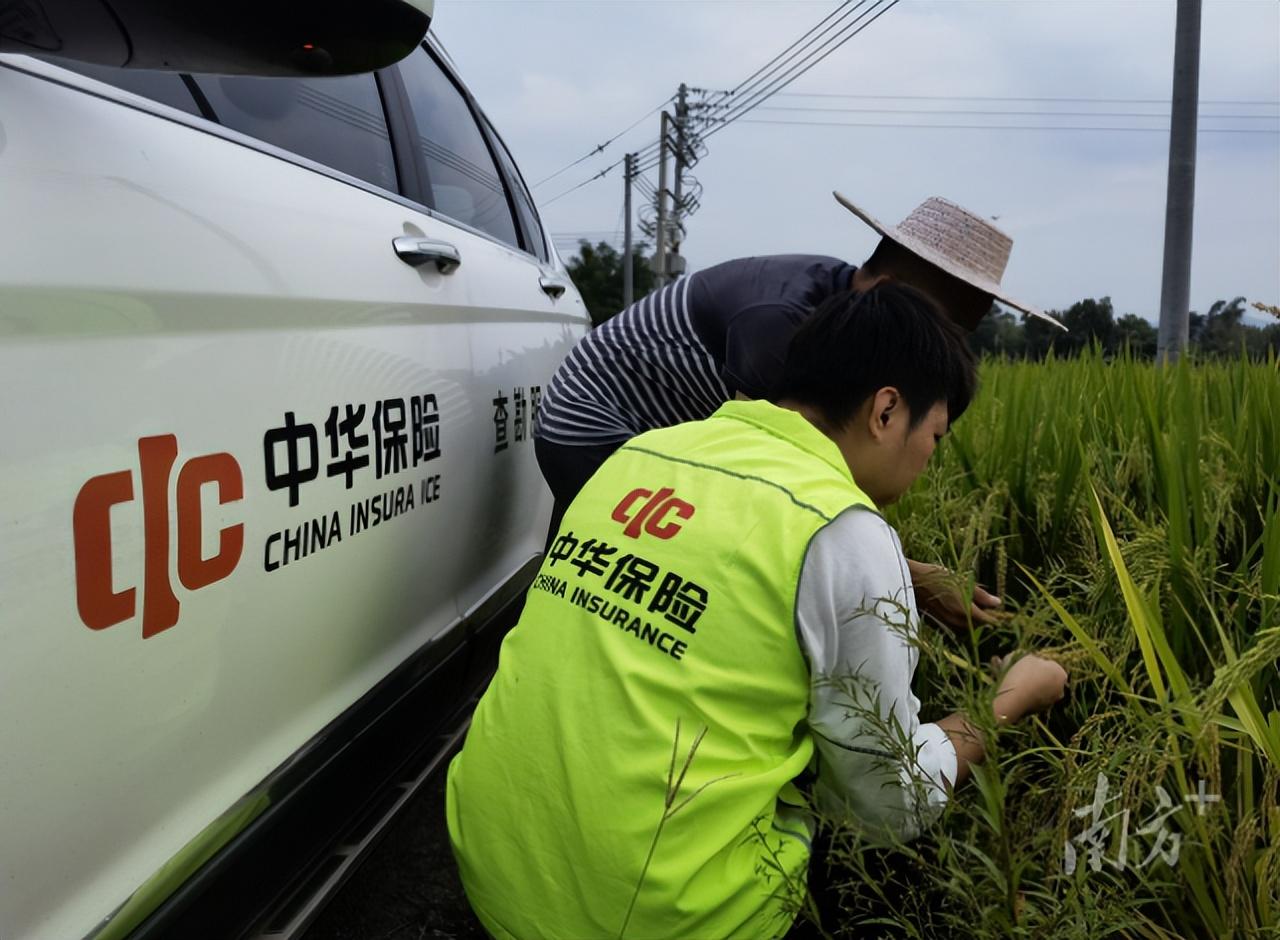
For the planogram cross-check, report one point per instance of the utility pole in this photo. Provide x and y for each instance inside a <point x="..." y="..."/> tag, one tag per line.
<point x="628" y="282"/>
<point x="660" y="253"/>
<point x="1175" y="288"/>
<point x="677" y="230"/>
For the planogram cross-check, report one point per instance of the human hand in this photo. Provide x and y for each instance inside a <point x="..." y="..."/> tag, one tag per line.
<point x="1031" y="684"/>
<point x="939" y="597"/>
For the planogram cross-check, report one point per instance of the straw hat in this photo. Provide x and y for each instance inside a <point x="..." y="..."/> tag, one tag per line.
<point x="957" y="241"/>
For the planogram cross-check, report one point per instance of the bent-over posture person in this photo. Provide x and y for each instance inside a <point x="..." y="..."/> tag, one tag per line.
<point x="681" y="352"/>
<point x="724" y="611"/>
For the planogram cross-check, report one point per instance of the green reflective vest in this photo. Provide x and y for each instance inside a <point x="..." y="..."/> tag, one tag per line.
<point x="629" y="771"/>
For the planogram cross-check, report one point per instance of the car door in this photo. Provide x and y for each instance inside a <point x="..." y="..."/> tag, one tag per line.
<point x="524" y="317"/>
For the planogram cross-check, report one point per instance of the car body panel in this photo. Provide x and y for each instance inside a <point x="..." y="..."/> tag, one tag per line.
<point x="177" y="305"/>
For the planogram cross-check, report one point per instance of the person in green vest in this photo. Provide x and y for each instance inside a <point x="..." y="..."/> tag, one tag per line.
<point x="722" y="611"/>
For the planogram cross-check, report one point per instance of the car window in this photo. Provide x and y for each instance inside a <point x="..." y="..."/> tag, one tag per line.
<point x="534" y="241"/>
<point x="163" y="87"/>
<point x="462" y="179"/>
<point x="335" y="121"/>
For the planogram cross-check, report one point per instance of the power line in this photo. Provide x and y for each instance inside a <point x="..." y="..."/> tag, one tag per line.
<point x="652" y="148"/>
<point x="811" y="30"/>
<point x="599" y="148"/>
<point x="590" y="179"/>
<point x="796" y="70"/>
<point x="649" y="158"/>
<point x="824" y="94"/>
<point x="827" y="48"/>
<point x="653" y="161"/>
<point x="1098" y="114"/>
<point x="1004" y="127"/>
<point x="757" y="87"/>
<point x="646" y="152"/>
<point x="772" y="65"/>
<point x="746" y="88"/>
<point x="646" y="161"/>
<point x="762" y="88"/>
<point x="783" y="69"/>
<point x="689" y="137"/>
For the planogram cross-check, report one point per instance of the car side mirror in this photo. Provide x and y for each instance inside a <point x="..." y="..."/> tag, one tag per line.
<point x="228" y="37"/>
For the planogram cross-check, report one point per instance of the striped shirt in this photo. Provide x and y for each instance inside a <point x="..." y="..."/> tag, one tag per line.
<point x="679" y="353"/>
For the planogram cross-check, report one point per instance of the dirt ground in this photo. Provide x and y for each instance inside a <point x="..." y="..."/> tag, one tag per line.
<point x="408" y="889"/>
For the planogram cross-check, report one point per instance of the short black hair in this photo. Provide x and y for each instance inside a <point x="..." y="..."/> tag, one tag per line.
<point x="892" y="335"/>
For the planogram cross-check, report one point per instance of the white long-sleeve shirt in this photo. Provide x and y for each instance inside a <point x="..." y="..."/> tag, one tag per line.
<point x="856" y="617"/>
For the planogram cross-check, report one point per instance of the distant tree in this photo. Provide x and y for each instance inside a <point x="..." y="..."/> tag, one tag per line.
<point x="1263" y="342"/>
<point x="1220" y="332"/>
<point x="597" y="273"/>
<point x="1039" y="337"/>
<point x="1137" y="334"/>
<point x="998" y="334"/>
<point x="1089" y="321"/>
<point x="983" y="339"/>
<point x="1266" y="340"/>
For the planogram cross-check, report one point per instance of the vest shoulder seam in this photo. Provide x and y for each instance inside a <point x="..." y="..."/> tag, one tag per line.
<point x="741" y="476"/>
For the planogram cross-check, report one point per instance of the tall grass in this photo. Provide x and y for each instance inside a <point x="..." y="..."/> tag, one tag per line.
<point x="1130" y="515"/>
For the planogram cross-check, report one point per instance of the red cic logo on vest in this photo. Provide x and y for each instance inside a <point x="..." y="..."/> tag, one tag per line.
<point x="653" y="515"/>
<point x="99" y="603"/>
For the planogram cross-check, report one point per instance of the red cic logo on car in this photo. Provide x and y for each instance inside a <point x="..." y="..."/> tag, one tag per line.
<point x="650" y="517"/>
<point x="99" y="603"/>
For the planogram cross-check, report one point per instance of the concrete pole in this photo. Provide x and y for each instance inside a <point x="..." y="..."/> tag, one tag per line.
<point x="660" y="253"/>
<point x="1175" y="287"/>
<point x="677" y="209"/>
<point x="628" y="281"/>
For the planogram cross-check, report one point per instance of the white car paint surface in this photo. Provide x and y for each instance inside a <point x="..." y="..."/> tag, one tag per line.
<point x="171" y="299"/>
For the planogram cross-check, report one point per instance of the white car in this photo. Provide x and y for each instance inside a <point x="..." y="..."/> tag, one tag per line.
<point x="270" y="355"/>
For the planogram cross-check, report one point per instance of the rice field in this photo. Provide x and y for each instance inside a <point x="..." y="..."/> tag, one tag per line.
<point x="1129" y="515"/>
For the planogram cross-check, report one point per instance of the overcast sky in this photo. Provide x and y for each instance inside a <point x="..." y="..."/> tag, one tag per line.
<point x="1085" y="208"/>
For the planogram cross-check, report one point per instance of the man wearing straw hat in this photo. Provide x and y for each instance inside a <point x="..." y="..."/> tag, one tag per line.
<point x="722" y="333"/>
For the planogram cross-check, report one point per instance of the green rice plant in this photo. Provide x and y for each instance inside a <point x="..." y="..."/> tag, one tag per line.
<point x="1129" y="514"/>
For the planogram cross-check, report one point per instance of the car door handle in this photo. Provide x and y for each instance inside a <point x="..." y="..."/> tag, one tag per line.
<point x="553" y="287"/>
<point x="418" y="251"/>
